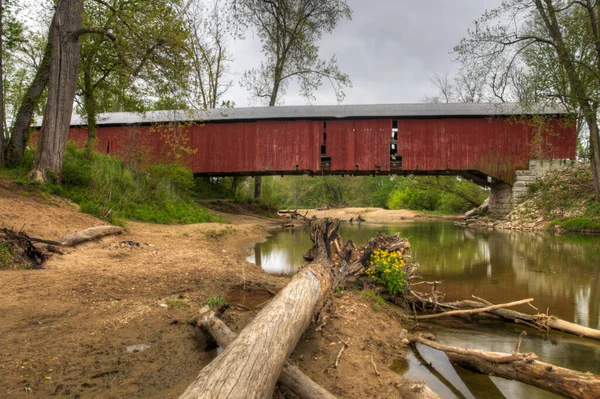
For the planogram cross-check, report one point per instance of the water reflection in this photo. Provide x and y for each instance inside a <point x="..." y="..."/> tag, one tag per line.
<point x="562" y="273"/>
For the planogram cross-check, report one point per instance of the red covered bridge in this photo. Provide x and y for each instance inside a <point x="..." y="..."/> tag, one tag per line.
<point x="483" y="142"/>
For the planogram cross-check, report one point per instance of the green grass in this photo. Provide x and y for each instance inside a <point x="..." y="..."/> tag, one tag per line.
<point x="216" y="301"/>
<point x="109" y="189"/>
<point x="577" y="224"/>
<point x="566" y="199"/>
<point x="377" y="301"/>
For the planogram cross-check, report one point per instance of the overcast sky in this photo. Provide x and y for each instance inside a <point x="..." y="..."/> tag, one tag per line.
<point x="390" y="49"/>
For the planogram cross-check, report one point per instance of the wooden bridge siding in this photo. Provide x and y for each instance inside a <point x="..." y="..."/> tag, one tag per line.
<point x="554" y="139"/>
<point x="359" y="144"/>
<point x="494" y="146"/>
<point x="288" y="145"/>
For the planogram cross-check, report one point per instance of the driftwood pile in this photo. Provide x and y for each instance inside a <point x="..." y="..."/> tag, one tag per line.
<point x="523" y="367"/>
<point x="25" y="250"/>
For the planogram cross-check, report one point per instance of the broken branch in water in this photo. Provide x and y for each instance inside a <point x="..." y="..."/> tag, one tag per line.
<point x="522" y="367"/>
<point x="472" y="311"/>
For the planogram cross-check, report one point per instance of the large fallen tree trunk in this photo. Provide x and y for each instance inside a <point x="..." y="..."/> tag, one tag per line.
<point x="522" y="367"/>
<point x="250" y="366"/>
<point x="291" y="377"/>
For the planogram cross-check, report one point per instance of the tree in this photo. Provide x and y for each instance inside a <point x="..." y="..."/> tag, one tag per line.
<point x="136" y="42"/>
<point x="551" y="47"/>
<point x="19" y="58"/>
<point x="209" y="55"/>
<point x="2" y="116"/>
<point x="289" y="31"/>
<point x="141" y="34"/>
<point x="64" y="61"/>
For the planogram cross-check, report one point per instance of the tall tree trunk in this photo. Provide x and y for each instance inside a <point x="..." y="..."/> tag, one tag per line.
<point x="89" y="102"/>
<point x="1" y="85"/>
<point x="20" y="132"/>
<point x="592" y="123"/>
<point x="64" y="62"/>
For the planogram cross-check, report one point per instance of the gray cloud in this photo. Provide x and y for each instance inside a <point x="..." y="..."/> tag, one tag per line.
<point x="390" y="49"/>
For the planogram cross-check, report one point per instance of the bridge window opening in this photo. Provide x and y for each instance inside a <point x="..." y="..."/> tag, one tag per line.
<point x="395" y="159"/>
<point x="324" y="145"/>
<point x="325" y="160"/>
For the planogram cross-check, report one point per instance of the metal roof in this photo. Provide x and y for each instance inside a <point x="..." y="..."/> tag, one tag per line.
<point x="399" y="111"/>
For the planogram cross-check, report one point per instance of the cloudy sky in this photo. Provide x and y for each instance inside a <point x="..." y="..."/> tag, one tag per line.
<point x="390" y="49"/>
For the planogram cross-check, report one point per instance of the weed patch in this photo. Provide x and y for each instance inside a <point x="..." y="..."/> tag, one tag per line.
<point x="216" y="301"/>
<point x="107" y="188"/>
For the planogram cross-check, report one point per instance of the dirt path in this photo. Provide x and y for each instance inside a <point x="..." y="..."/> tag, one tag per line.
<point x="64" y="330"/>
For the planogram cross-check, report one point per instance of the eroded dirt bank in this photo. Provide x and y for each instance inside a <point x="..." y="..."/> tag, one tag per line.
<point x="64" y="330"/>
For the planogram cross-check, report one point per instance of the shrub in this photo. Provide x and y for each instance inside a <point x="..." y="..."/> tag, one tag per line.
<point x="216" y="301"/>
<point x="386" y="268"/>
<point x="107" y="188"/>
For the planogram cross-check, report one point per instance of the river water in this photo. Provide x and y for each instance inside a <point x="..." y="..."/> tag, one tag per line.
<point x="562" y="273"/>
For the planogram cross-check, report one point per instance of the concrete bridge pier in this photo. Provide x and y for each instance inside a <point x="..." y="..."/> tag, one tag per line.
<point x="504" y="197"/>
<point x="501" y="200"/>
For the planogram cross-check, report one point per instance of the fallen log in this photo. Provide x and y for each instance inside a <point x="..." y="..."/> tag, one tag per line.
<point x="291" y="377"/>
<point x="250" y="366"/>
<point x="472" y="311"/>
<point x="89" y="234"/>
<point x="539" y="321"/>
<point x="522" y="367"/>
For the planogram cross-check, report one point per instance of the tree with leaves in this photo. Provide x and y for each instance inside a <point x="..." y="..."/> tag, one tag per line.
<point x="289" y="31"/>
<point x="137" y="41"/>
<point x="140" y="34"/>
<point x="550" y="47"/>
<point x="210" y="59"/>
<point x="63" y="40"/>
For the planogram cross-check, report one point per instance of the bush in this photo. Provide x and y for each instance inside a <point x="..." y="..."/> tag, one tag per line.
<point x="107" y="188"/>
<point x="386" y="268"/>
<point x="216" y="301"/>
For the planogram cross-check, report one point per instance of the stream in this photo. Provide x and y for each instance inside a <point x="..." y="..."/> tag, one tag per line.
<point x="561" y="272"/>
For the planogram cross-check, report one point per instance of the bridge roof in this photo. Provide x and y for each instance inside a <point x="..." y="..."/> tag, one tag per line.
<point x="393" y="111"/>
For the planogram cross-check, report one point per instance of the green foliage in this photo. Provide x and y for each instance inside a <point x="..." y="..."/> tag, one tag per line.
<point x="216" y="301"/>
<point x="386" y="268"/>
<point x="105" y="187"/>
<point x="444" y="194"/>
<point x="289" y="32"/>
<point x="578" y="224"/>
<point x="220" y="187"/>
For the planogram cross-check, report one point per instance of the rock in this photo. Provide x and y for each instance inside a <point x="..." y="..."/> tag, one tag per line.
<point x="403" y="333"/>
<point x="405" y="341"/>
<point x="137" y="348"/>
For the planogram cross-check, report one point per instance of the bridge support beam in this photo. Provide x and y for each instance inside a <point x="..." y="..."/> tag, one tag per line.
<point x="501" y="196"/>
